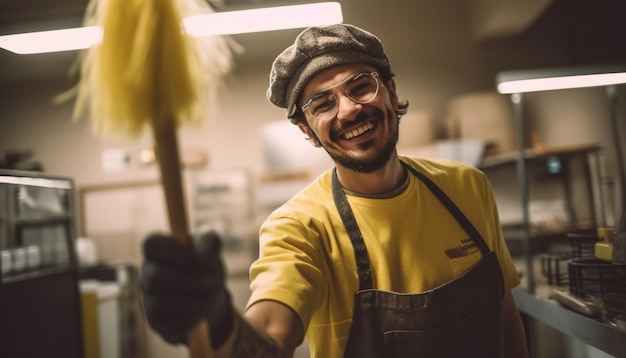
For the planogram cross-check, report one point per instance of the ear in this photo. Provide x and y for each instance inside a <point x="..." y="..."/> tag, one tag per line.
<point x="310" y="136"/>
<point x="391" y="88"/>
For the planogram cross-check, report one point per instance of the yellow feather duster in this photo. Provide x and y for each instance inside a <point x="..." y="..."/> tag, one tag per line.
<point x="147" y="70"/>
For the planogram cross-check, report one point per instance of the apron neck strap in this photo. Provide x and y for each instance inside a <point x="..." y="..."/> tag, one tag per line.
<point x="452" y="208"/>
<point x="349" y="222"/>
<point x="356" y="238"/>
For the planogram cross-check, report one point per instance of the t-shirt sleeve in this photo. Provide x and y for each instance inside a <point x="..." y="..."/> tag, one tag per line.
<point x="288" y="270"/>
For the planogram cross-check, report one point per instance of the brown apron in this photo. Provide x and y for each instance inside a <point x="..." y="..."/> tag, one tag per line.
<point x="461" y="318"/>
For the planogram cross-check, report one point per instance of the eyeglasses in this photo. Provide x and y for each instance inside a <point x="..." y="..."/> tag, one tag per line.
<point x="361" y="88"/>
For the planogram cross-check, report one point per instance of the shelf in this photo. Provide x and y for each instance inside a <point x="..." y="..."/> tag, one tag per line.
<point x="510" y="158"/>
<point x="35" y="273"/>
<point x="603" y="336"/>
<point x="41" y="220"/>
<point x="517" y="233"/>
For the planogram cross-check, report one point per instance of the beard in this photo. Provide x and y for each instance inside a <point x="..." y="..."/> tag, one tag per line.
<point x="380" y="158"/>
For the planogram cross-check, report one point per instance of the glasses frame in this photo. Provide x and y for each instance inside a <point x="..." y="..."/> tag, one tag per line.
<point x="308" y="103"/>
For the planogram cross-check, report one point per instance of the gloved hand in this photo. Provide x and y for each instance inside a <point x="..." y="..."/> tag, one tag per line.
<point x="182" y="285"/>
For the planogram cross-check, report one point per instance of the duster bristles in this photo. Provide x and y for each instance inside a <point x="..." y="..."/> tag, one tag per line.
<point x="147" y="70"/>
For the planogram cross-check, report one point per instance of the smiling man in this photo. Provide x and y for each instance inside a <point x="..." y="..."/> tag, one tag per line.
<point x="353" y="120"/>
<point x="381" y="256"/>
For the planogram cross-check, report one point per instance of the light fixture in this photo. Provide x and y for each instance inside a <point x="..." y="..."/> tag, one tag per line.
<point x="264" y="19"/>
<point x="523" y="81"/>
<point x="52" y="41"/>
<point x="217" y="23"/>
<point x="518" y="82"/>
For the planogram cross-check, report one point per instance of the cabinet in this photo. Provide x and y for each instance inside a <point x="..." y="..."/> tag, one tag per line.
<point x="40" y="299"/>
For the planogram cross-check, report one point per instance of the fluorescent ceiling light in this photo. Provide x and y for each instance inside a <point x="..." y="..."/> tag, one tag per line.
<point x="52" y="41"/>
<point x="218" y="23"/>
<point x="266" y="19"/>
<point x="559" y="78"/>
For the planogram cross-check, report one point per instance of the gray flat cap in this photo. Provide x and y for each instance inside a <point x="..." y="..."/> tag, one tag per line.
<point x="316" y="49"/>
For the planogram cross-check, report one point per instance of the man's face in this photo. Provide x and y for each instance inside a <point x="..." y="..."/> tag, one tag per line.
<point x="360" y="137"/>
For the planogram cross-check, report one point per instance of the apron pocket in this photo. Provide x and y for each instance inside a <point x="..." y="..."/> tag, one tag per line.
<point x="467" y="337"/>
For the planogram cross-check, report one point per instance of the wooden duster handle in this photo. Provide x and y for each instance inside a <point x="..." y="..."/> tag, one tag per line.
<point x="171" y="179"/>
<point x="170" y="168"/>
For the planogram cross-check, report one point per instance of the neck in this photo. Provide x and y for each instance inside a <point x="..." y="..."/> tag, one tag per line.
<point x="379" y="182"/>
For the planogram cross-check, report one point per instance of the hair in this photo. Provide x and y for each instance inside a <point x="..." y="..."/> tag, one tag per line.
<point x="385" y="77"/>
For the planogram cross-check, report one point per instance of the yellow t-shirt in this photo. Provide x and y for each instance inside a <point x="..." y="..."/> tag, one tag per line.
<point x="414" y="244"/>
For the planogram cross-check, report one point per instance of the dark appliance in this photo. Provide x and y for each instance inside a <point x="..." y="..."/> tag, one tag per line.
<point x="40" y="307"/>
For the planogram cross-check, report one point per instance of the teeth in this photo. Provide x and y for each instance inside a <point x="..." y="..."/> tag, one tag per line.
<point x="358" y="131"/>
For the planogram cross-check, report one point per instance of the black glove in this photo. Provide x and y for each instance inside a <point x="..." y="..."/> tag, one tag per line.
<point x="182" y="285"/>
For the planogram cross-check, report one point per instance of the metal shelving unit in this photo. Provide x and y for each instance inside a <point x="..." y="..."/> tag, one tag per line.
<point x="593" y="332"/>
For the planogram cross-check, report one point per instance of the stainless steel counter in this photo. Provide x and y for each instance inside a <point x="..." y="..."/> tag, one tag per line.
<point x="601" y="335"/>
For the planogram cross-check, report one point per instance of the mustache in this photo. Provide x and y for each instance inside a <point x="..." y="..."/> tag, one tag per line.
<point x="365" y="115"/>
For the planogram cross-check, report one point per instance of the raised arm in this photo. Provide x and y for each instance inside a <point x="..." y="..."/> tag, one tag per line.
<point x="184" y="287"/>
<point x="269" y="329"/>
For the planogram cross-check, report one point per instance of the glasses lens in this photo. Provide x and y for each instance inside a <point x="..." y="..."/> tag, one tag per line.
<point x="360" y="88"/>
<point x="321" y="105"/>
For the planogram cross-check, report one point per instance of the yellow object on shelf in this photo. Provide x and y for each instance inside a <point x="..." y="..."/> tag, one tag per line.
<point x="91" y="332"/>
<point x="604" y="251"/>
<point x="605" y="234"/>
